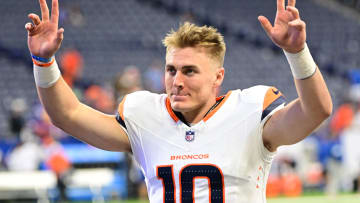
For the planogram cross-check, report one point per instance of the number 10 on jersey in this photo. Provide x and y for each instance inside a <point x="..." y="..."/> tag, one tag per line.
<point x="188" y="174"/>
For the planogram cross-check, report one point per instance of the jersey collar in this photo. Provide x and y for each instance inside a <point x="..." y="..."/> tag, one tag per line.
<point x="207" y="117"/>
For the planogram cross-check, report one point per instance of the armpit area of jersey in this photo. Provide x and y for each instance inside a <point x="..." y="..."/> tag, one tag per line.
<point x="120" y="120"/>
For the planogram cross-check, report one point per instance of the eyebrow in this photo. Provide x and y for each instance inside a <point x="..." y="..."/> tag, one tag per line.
<point x="169" y="66"/>
<point x="183" y="67"/>
<point x="190" y="67"/>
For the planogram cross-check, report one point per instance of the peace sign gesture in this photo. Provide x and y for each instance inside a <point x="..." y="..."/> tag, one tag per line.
<point x="44" y="37"/>
<point x="289" y="31"/>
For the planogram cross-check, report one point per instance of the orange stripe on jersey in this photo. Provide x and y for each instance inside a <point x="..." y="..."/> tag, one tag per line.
<point x="169" y="109"/>
<point x="207" y="117"/>
<point x="271" y="95"/>
<point x="121" y="108"/>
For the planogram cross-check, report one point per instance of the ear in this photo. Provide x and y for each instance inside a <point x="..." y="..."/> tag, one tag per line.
<point x="220" y="72"/>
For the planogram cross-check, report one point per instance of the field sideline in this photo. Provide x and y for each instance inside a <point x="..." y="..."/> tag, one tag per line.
<point x="306" y="199"/>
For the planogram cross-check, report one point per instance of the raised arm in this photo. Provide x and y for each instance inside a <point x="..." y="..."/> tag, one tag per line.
<point x="64" y="109"/>
<point x="302" y="115"/>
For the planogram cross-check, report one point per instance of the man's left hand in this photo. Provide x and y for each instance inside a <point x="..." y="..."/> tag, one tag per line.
<point x="289" y="31"/>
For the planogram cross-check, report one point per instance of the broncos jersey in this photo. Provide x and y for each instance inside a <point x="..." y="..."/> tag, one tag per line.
<point x="220" y="159"/>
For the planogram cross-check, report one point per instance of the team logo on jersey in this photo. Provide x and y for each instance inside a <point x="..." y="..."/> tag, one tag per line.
<point x="275" y="91"/>
<point x="189" y="135"/>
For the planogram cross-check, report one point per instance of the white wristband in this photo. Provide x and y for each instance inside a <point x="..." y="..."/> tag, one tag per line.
<point x="46" y="76"/>
<point x="302" y="63"/>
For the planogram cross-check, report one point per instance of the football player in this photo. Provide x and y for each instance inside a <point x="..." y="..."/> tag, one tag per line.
<point x="190" y="144"/>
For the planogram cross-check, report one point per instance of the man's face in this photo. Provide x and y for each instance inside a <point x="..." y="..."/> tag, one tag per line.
<point x="191" y="79"/>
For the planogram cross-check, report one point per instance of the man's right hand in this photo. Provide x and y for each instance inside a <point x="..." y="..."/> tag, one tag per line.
<point x="44" y="37"/>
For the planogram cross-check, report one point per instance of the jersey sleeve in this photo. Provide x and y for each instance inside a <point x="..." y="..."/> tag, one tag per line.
<point x="120" y="113"/>
<point x="273" y="101"/>
<point x="134" y="112"/>
<point x="266" y="100"/>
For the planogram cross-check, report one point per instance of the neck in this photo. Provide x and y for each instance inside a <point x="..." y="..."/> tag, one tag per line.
<point x="197" y="115"/>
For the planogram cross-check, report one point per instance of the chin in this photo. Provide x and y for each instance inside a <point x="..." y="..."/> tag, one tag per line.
<point x="180" y="107"/>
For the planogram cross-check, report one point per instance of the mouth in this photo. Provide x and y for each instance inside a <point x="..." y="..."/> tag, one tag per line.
<point x="178" y="97"/>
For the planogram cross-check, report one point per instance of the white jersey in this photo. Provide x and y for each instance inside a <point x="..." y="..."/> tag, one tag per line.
<point x="220" y="159"/>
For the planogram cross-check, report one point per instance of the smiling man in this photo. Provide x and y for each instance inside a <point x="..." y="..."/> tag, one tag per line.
<point x="190" y="144"/>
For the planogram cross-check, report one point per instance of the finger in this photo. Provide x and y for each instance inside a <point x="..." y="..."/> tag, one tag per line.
<point x="294" y="11"/>
<point x="55" y="11"/>
<point x="35" y="18"/>
<point x="265" y="23"/>
<point x="291" y="2"/>
<point x="60" y="35"/>
<point x="29" y="27"/>
<point x="44" y="10"/>
<point x="280" y="5"/>
<point x="297" y="24"/>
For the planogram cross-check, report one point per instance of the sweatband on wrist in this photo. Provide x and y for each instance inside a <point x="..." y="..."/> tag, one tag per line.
<point x="44" y="65"/>
<point x="41" y="59"/>
<point x="46" y="76"/>
<point x="302" y="64"/>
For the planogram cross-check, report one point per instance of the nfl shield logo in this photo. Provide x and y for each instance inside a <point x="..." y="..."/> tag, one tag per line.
<point x="189" y="135"/>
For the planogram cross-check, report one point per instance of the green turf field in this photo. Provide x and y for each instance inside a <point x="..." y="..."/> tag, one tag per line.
<point x="306" y="199"/>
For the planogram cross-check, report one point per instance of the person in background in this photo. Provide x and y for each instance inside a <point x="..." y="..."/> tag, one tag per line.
<point x="126" y="82"/>
<point x="72" y="63"/>
<point x="27" y="155"/>
<point x="18" y="108"/>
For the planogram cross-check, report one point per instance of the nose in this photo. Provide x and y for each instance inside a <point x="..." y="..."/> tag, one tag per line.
<point x="178" y="80"/>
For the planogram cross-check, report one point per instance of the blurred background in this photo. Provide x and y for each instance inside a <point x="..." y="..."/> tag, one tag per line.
<point x="113" y="47"/>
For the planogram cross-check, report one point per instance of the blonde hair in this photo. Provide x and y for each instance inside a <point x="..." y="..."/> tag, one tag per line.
<point x="191" y="35"/>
